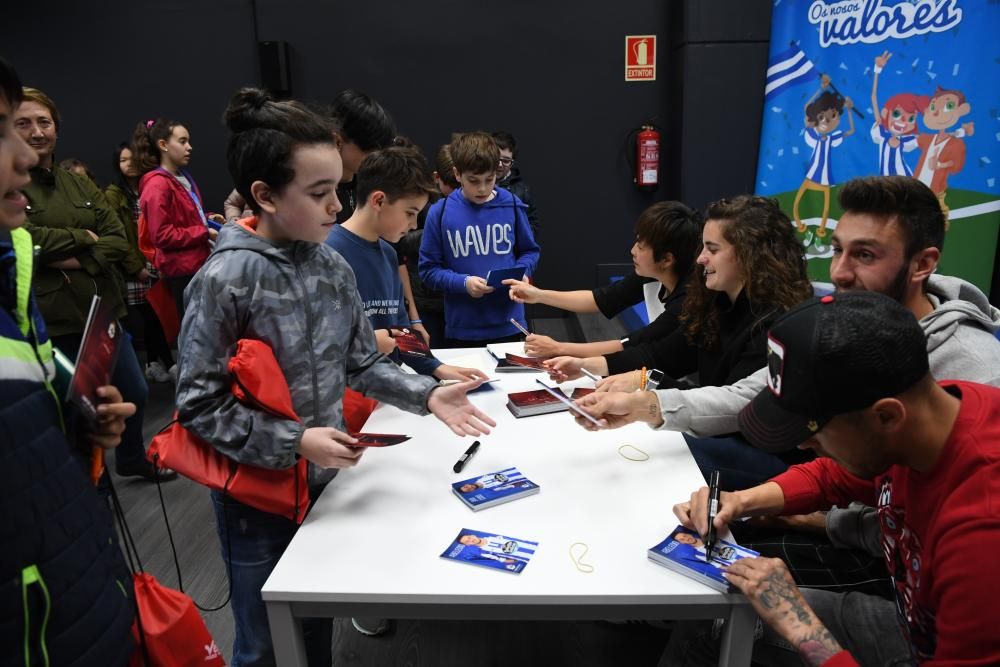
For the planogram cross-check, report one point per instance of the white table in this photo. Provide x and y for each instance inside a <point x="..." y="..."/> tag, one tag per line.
<point x="371" y="545"/>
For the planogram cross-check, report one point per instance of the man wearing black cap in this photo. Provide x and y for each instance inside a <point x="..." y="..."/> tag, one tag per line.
<point x="850" y="379"/>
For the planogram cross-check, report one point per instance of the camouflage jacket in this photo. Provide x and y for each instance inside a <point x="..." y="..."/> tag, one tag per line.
<point x="301" y="299"/>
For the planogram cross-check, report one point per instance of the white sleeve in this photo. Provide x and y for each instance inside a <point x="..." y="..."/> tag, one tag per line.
<point x="708" y="411"/>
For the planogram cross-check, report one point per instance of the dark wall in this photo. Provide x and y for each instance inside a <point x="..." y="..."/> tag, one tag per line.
<point x="551" y="73"/>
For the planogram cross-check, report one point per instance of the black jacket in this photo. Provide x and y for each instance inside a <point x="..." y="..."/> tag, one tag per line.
<point x="516" y="185"/>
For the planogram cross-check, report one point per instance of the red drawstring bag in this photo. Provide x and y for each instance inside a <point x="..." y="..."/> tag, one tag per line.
<point x="165" y="307"/>
<point x="172" y="632"/>
<point x="257" y="381"/>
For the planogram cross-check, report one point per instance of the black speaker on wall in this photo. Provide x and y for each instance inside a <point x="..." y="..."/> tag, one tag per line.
<point x="275" y="68"/>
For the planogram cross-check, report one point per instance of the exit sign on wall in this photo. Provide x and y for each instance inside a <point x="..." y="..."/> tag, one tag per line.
<point x="640" y="57"/>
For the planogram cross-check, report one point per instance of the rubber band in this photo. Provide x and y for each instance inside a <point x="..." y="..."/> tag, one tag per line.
<point x="630" y="458"/>
<point x="586" y="568"/>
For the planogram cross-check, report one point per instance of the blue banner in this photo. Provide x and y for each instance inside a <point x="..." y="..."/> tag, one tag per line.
<point x="860" y="87"/>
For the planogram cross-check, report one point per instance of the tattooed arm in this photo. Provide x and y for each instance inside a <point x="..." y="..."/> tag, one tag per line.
<point x="774" y="595"/>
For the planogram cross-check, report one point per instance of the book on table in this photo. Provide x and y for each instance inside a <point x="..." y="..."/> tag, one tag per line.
<point x="515" y="363"/>
<point x="540" y="402"/>
<point x="494" y="488"/>
<point x="498" y="552"/>
<point x="683" y="551"/>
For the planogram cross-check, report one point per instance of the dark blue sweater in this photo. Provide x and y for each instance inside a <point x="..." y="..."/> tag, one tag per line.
<point x="377" y="271"/>
<point x="471" y="240"/>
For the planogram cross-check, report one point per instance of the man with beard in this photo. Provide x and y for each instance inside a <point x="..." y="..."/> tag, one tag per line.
<point x="888" y="240"/>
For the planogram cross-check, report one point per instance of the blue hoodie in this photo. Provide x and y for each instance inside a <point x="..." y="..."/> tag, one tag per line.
<point x="472" y="240"/>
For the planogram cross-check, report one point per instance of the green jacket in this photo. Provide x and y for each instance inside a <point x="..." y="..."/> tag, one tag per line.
<point x="119" y="201"/>
<point x="62" y="209"/>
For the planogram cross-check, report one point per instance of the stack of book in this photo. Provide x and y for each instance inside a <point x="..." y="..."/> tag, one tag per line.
<point x="494" y="488"/>
<point x="491" y="550"/>
<point x="540" y="402"/>
<point x="684" y="551"/>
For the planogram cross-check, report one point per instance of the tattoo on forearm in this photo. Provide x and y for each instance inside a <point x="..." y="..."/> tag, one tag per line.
<point x="818" y="647"/>
<point x="778" y="588"/>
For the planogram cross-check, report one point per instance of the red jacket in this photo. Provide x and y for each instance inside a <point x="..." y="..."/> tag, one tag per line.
<point x="176" y="226"/>
<point x="940" y="533"/>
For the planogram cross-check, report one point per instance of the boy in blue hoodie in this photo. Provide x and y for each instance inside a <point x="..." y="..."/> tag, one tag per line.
<point x="475" y="230"/>
<point x="392" y="186"/>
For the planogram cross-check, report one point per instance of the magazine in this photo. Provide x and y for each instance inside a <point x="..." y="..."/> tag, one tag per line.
<point x="684" y="551"/>
<point x="99" y="347"/>
<point x="495" y="277"/>
<point x="540" y="402"/>
<point x="497" y="552"/>
<point x="494" y="488"/>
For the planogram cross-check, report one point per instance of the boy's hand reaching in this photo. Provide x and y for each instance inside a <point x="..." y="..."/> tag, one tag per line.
<point x="477" y="287"/>
<point x="451" y="405"/>
<point x="329" y="448"/>
<point x="460" y="373"/>
<point x="541" y="346"/>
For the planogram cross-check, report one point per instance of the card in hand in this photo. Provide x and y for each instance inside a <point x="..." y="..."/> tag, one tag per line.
<point x="99" y="347"/>
<point x="378" y="439"/>
<point x="410" y="342"/>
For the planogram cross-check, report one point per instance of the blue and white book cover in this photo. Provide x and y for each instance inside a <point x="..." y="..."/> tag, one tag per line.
<point x="494" y="488"/>
<point x="497" y="552"/>
<point x="684" y="551"/>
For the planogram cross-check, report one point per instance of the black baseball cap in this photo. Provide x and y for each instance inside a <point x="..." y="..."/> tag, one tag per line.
<point x="828" y="356"/>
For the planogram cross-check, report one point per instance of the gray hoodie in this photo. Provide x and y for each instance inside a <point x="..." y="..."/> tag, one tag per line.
<point x="301" y="299"/>
<point x="961" y="345"/>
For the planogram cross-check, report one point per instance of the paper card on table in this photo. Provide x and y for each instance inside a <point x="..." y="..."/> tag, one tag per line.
<point x="500" y="350"/>
<point x="494" y="488"/>
<point x="683" y="551"/>
<point x="491" y="550"/>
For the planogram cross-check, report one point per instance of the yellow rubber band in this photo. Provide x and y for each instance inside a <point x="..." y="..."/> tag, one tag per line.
<point x="632" y="458"/>
<point x="586" y="568"/>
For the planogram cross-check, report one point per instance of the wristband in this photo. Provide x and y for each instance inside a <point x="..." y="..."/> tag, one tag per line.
<point x="416" y="321"/>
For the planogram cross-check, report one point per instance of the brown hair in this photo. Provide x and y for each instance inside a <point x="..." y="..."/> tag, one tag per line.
<point x="145" y="142"/>
<point x="770" y="259"/>
<point x="445" y="167"/>
<point x="35" y="95"/>
<point x="398" y="171"/>
<point x="475" y="153"/>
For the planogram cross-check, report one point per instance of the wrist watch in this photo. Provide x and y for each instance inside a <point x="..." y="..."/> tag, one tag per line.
<point x="654" y="377"/>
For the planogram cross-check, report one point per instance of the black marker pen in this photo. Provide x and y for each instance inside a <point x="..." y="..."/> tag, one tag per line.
<point x="466" y="456"/>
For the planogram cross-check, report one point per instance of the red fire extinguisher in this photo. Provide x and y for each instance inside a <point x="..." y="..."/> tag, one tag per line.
<point x="647" y="158"/>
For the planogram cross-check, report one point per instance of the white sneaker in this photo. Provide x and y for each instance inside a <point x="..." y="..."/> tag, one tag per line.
<point x="156" y="372"/>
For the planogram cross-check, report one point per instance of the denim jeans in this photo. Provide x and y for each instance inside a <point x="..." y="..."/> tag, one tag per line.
<point x="255" y="540"/>
<point x="127" y="375"/>
<point x="740" y="464"/>
<point x="865" y="625"/>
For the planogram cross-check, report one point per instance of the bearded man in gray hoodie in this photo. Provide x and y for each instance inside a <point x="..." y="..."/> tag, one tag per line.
<point x="889" y="240"/>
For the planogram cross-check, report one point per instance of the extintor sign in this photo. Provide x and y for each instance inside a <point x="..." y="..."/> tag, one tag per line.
<point x="640" y="57"/>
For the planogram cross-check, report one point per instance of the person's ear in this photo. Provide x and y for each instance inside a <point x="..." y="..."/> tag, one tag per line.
<point x="887" y="416"/>
<point x="162" y="144"/>
<point x="667" y="261"/>
<point x="924" y="263"/>
<point x="963" y="109"/>
<point x="262" y="194"/>
<point x="377" y="200"/>
<point x="458" y="174"/>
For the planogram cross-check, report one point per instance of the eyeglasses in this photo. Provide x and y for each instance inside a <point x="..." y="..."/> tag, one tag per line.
<point x="506" y="161"/>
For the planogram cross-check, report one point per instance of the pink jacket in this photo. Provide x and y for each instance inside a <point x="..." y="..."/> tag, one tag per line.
<point x="176" y="226"/>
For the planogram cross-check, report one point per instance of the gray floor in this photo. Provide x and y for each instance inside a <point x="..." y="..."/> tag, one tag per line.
<point x="432" y="643"/>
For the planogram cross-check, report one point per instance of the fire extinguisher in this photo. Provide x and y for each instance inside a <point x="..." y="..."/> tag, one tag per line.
<point x="647" y="158"/>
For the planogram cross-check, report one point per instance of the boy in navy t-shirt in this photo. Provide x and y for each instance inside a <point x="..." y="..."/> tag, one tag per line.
<point x="475" y="230"/>
<point x="393" y="186"/>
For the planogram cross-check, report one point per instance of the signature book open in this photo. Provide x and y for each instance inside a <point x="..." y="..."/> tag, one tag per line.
<point x="683" y="551"/>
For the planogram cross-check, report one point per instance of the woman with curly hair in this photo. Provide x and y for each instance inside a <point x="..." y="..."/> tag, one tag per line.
<point x="751" y="270"/>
